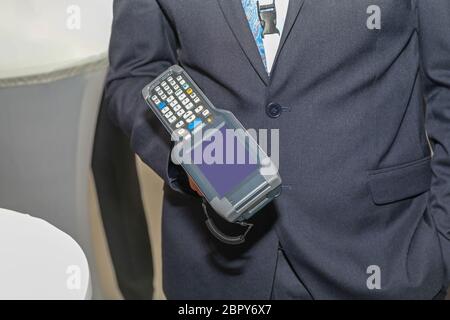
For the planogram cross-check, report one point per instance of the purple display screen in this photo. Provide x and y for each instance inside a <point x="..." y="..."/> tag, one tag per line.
<point x="232" y="165"/>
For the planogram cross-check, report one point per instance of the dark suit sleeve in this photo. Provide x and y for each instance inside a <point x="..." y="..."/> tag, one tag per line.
<point x="143" y="45"/>
<point x="434" y="32"/>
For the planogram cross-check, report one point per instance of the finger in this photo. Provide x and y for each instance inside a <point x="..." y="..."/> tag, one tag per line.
<point x="194" y="186"/>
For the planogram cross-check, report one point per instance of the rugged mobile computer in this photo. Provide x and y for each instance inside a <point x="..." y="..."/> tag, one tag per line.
<point x="235" y="189"/>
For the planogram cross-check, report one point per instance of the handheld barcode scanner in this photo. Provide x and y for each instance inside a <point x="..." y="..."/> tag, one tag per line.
<point x="238" y="178"/>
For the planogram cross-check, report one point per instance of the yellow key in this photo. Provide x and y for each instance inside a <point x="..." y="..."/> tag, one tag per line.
<point x="189" y="91"/>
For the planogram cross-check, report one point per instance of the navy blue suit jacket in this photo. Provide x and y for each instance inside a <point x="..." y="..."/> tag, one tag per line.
<point x="361" y="186"/>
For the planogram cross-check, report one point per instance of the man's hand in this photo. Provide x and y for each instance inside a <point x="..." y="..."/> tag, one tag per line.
<point x="194" y="187"/>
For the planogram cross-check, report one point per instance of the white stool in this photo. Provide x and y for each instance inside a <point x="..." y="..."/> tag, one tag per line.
<point x="39" y="261"/>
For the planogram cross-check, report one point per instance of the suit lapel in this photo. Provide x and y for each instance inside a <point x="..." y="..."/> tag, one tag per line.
<point x="237" y="20"/>
<point x="294" y="9"/>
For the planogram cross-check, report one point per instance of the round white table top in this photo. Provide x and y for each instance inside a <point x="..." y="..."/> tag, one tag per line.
<point x="39" y="261"/>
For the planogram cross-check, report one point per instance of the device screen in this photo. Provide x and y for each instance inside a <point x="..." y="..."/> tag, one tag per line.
<point x="226" y="162"/>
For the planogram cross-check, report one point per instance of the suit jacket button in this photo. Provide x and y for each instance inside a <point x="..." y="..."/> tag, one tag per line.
<point x="273" y="110"/>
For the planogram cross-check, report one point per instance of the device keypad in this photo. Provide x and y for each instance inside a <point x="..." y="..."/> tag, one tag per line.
<point x="180" y="105"/>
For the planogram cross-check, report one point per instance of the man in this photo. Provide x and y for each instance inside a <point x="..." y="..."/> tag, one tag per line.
<point x="365" y="209"/>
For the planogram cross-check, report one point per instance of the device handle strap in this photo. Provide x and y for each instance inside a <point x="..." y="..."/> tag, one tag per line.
<point x="231" y="240"/>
